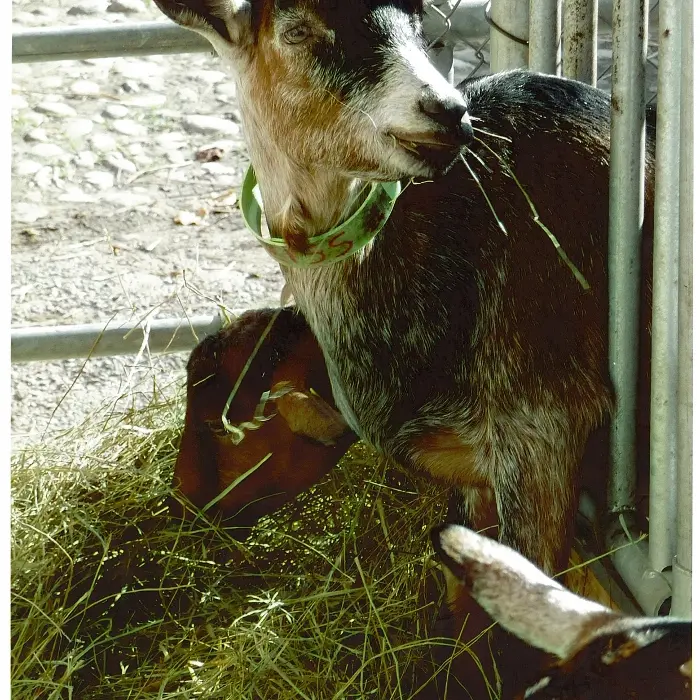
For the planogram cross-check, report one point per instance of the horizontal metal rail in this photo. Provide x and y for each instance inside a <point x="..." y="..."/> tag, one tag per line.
<point x="44" y="343"/>
<point x="133" y="39"/>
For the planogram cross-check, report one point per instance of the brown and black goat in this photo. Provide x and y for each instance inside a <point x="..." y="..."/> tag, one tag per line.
<point x="457" y="341"/>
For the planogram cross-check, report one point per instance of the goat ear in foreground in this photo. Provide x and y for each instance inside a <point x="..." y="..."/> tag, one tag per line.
<point x="516" y="594"/>
<point x="229" y="20"/>
<point x="308" y="414"/>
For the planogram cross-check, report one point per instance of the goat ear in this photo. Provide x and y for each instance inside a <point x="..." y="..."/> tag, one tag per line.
<point x="229" y="20"/>
<point x="516" y="594"/>
<point x="308" y="414"/>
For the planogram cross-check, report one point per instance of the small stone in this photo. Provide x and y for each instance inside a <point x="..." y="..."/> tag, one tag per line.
<point x="216" y="168"/>
<point x="205" y="124"/>
<point x="148" y="101"/>
<point x="129" y="127"/>
<point x="88" y="7"/>
<point x="227" y="89"/>
<point x="28" y="212"/>
<point x="27" y="19"/>
<point x="44" y="177"/>
<point x="37" y="135"/>
<point x="56" y="109"/>
<point x="117" y="162"/>
<point x="130" y="86"/>
<point x="78" y="128"/>
<point x="46" y="150"/>
<point x="28" y="167"/>
<point x="21" y="71"/>
<point x="210" y="77"/>
<point x="224" y="145"/>
<point x="86" y="159"/>
<point x="33" y="118"/>
<point x="51" y="82"/>
<point x="77" y="196"/>
<point x="45" y="12"/>
<point x="123" y="198"/>
<point x="143" y="160"/>
<point x="125" y="7"/>
<point x="85" y="88"/>
<point x="187" y="94"/>
<point x="171" y="139"/>
<point x="208" y="155"/>
<point x="137" y="69"/>
<point x="18" y="102"/>
<point x="115" y="111"/>
<point x="135" y="149"/>
<point x="175" y="157"/>
<point x="100" y="179"/>
<point x="103" y="142"/>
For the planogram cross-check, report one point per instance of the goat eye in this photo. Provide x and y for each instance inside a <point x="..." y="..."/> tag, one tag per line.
<point x="297" y="34"/>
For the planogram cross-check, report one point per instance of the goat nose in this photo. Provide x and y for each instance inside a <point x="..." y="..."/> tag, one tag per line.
<point x="450" y="112"/>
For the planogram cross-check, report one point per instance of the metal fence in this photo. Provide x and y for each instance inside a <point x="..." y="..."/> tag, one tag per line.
<point x="567" y="37"/>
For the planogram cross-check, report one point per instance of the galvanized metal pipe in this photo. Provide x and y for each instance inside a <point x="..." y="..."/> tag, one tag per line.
<point x="133" y="39"/>
<point x="664" y="336"/>
<point x="624" y="245"/>
<point x="545" y="33"/>
<point x="650" y="588"/>
<point x="117" y="338"/>
<point x="579" y="53"/>
<point x="683" y="563"/>
<point x="509" y="17"/>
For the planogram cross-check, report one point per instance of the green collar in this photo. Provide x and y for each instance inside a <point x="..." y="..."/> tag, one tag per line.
<point x="334" y="245"/>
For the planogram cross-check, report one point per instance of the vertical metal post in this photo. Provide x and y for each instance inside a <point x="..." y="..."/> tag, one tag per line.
<point x="509" y="17"/>
<point x="580" y="55"/>
<point x="682" y="565"/>
<point x="626" y="216"/>
<point x="664" y="335"/>
<point x="545" y="32"/>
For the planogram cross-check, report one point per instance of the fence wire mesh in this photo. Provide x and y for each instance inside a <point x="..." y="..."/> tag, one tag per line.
<point x="472" y="57"/>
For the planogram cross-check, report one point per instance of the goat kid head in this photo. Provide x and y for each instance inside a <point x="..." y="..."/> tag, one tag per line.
<point x="295" y="435"/>
<point x="331" y="91"/>
<point x="603" y="655"/>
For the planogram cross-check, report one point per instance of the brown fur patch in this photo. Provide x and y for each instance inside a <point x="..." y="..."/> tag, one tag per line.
<point x="447" y="457"/>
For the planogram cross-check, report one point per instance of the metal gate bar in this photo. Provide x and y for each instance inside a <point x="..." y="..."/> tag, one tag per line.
<point x="43" y="343"/>
<point x="545" y="34"/>
<point x="580" y="55"/>
<point x="664" y="336"/>
<point x="683" y="561"/>
<point x="133" y="39"/>
<point x="510" y="24"/>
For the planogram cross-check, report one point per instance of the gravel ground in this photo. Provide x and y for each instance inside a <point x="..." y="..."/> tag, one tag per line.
<point x="124" y="180"/>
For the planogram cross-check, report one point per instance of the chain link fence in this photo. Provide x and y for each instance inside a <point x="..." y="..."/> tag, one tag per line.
<point x="472" y="57"/>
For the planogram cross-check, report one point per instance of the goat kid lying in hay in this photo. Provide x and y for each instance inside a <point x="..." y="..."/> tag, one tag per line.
<point x="113" y="598"/>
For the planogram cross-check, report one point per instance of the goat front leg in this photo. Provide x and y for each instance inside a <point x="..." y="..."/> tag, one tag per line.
<point x="536" y="486"/>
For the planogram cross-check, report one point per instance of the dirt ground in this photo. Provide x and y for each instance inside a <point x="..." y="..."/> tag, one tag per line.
<point x="124" y="180"/>
<point x="104" y="166"/>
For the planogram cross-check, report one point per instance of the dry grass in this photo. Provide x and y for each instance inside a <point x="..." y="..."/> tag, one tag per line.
<point x="112" y="599"/>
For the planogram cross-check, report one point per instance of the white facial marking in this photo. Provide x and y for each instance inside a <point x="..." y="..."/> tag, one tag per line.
<point x="519" y="596"/>
<point x="410" y="74"/>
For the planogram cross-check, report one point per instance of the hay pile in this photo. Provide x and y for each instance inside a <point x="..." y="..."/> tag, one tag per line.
<point x="113" y="599"/>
